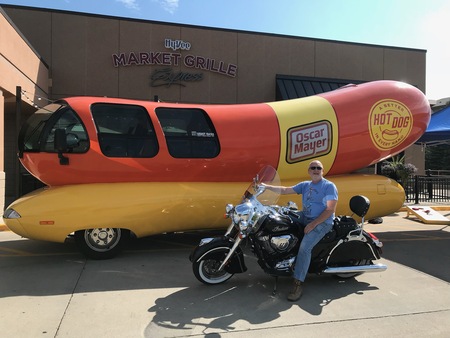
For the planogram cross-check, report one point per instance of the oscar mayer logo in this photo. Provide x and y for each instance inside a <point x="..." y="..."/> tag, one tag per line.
<point x="309" y="141"/>
<point x="390" y="123"/>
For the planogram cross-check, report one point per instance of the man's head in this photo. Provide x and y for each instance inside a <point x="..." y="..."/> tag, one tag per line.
<point x="315" y="170"/>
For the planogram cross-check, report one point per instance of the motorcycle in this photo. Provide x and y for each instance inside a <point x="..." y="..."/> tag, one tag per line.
<point x="275" y="233"/>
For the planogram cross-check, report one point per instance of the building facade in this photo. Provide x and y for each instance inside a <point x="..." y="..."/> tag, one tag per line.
<point x="52" y="54"/>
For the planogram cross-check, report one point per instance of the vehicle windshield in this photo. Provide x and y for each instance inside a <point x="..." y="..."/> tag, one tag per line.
<point x="31" y="130"/>
<point x="267" y="175"/>
<point x="38" y="132"/>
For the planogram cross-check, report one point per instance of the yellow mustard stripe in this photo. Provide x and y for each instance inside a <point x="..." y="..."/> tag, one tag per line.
<point x="145" y="208"/>
<point x="309" y="130"/>
<point x="156" y="207"/>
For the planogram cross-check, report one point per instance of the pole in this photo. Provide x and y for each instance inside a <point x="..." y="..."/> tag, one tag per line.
<point x="18" y="183"/>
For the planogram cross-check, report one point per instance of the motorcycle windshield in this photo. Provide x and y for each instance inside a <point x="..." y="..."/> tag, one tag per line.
<point x="267" y="175"/>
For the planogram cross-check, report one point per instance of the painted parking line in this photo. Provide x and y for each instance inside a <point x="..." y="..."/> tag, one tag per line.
<point x="12" y="252"/>
<point x="30" y="254"/>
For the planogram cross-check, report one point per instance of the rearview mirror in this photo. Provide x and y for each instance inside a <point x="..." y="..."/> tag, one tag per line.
<point x="60" y="140"/>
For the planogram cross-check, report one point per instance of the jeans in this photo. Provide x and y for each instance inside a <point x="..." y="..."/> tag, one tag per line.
<point x="304" y="253"/>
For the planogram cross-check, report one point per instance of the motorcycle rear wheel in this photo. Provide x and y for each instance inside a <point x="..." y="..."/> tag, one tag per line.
<point x="206" y="267"/>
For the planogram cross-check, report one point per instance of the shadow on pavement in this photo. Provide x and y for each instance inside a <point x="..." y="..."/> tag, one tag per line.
<point x="247" y="298"/>
<point x="41" y="268"/>
<point x="426" y="251"/>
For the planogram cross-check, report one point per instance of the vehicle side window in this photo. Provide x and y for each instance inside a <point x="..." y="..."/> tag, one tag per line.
<point x="189" y="133"/>
<point x="74" y="128"/>
<point x="124" y="130"/>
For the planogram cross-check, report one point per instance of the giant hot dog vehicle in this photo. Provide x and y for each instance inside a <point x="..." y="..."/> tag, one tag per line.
<point x="114" y="166"/>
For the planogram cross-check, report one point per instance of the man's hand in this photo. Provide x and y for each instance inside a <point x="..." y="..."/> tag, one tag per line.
<point x="309" y="228"/>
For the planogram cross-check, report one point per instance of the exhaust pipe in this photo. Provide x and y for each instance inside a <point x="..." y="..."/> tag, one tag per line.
<point x="356" y="269"/>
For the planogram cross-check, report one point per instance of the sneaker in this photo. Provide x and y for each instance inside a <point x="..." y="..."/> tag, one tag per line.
<point x="296" y="291"/>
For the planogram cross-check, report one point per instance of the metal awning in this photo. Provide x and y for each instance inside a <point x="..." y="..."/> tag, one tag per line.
<point x="292" y="87"/>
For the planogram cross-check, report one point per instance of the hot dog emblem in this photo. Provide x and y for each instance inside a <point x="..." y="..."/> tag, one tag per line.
<point x="390" y="123"/>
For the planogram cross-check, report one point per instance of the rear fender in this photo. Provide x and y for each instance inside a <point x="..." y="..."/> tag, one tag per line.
<point x="375" y="243"/>
<point x="236" y="263"/>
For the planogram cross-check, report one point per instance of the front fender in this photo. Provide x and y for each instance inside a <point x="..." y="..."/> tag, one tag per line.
<point x="236" y="263"/>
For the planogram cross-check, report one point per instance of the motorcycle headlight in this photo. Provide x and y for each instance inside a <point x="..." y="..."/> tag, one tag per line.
<point x="242" y="213"/>
<point x="243" y="226"/>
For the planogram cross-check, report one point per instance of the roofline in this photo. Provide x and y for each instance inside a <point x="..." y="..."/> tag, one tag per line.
<point x="11" y="22"/>
<point x="203" y="27"/>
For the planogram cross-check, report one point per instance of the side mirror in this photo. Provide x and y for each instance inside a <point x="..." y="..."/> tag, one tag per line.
<point x="61" y="146"/>
<point x="292" y="205"/>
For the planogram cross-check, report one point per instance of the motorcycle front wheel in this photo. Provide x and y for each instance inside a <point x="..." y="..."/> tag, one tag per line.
<point x="206" y="268"/>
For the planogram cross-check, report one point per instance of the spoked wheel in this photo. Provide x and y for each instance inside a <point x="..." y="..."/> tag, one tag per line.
<point x="101" y="243"/>
<point x="354" y="274"/>
<point x="206" y="268"/>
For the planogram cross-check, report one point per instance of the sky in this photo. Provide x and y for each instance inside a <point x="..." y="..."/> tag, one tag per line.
<point x="418" y="24"/>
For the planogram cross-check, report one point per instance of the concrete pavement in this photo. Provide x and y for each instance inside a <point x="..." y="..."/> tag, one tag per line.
<point x="50" y="290"/>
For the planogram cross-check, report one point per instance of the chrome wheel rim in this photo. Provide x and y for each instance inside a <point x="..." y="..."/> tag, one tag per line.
<point x="102" y="239"/>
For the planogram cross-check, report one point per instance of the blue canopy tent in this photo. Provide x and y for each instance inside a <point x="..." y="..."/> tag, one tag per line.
<point x="438" y="131"/>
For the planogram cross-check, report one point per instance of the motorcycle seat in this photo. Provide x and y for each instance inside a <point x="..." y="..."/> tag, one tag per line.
<point x="343" y="225"/>
<point x="330" y="236"/>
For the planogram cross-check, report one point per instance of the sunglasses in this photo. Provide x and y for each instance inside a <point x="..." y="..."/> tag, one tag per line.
<point x="315" y="168"/>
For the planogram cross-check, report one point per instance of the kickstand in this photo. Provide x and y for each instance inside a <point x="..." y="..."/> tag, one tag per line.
<point x="274" y="292"/>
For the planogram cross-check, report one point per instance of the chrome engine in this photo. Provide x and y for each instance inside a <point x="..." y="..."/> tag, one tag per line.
<point x="282" y="243"/>
<point x="278" y="244"/>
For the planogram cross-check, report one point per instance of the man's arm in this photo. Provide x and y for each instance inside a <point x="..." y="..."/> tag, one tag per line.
<point x="329" y="210"/>
<point x="280" y="189"/>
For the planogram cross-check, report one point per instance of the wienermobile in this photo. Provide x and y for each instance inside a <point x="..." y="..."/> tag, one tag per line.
<point x="114" y="166"/>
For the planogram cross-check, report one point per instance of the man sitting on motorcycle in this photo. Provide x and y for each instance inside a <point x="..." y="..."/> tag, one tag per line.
<point x="319" y="200"/>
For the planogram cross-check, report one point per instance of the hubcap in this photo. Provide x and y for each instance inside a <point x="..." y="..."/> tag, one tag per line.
<point x="209" y="272"/>
<point x="102" y="239"/>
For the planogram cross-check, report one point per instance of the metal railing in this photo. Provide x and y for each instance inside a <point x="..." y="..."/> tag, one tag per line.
<point x="433" y="172"/>
<point x="429" y="188"/>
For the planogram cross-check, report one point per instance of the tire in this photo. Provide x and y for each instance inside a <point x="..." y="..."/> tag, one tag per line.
<point x="205" y="268"/>
<point x="102" y="243"/>
<point x="353" y="274"/>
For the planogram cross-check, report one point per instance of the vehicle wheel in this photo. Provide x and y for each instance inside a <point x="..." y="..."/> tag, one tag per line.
<point x="206" y="267"/>
<point x="353" y="274"/>
<point x="101" y="243"/>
